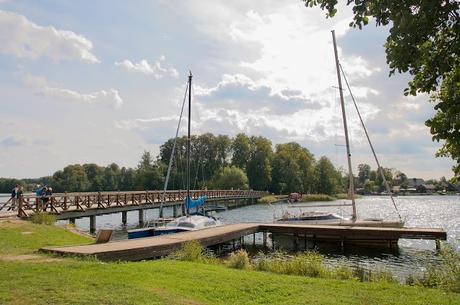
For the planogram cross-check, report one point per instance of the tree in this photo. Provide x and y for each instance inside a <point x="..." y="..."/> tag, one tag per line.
<point x="327" y="177"/>
<point x="71" y="179"/>
<point x="388" y="173"/>
<point x="241" y="148"/>
<point x="424" y="40"/>
<point x="149" y="175"/>
<point x="259" y="169"/>
<point x="364" y="171"/>
<point x="292" y="169"/>
<point x="231" y="178"/>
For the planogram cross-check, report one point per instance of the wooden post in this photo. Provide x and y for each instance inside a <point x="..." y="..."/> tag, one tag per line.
<point x="296" y="242"/>
<point x="92" y="224"/>
<point x="124" y="217"/>
<point x="141" y="217"/>
<point x="264" y="238"/>
<point x="72" y="221"/>
<point x="438" y="244"/>
<point x="175" y="211"/>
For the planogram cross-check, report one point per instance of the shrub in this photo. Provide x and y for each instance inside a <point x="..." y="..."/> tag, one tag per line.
<point x="43" y="218"/>
<point x="239" y="260"/>
<point x="192" y="251"/>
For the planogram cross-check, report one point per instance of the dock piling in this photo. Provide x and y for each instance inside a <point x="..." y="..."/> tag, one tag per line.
<point x="141" y="217"/>
<point x="124" y="217"/>
<point x="92" y="224"/>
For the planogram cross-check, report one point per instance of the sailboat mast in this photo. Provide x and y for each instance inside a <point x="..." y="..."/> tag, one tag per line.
<point x="345" y="127"/>
<point x="189" y="139"/>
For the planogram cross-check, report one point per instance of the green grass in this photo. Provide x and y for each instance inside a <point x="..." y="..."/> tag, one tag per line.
<point x="25" y="237"/>
<point x="74" y="281"/>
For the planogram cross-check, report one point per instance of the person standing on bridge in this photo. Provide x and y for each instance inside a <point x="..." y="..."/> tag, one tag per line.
<point x="13" y="198"/>
<point x="19" y="194"/>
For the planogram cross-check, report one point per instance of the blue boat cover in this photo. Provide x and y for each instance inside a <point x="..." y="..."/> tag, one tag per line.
<point x="193" y="203"/>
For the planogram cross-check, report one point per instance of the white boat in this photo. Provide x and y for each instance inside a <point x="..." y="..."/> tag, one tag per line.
<point x="333" y="219"/>
<point x="188" y="222"/>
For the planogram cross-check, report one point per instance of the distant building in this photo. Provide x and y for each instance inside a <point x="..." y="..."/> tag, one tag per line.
<point x="415" y="182"/>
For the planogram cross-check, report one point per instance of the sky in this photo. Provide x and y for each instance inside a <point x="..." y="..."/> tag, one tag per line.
<point x="102" y="81"/>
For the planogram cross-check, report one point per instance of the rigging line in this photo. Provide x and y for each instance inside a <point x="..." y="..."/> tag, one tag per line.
<point x="171" y="158"/>
<point x="387" y="186"/>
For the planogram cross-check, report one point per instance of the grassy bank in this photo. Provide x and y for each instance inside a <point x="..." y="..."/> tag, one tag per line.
<point x="74" y="281"/>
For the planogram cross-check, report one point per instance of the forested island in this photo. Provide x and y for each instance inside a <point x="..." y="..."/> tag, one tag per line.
<point x="222" y="162"/>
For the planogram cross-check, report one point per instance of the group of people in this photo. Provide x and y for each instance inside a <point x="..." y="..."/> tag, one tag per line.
<point x="16" y="196"/>
<point x="44" y="192"/>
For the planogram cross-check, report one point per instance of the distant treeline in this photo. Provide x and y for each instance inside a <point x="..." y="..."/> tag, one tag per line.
<point x="216" y="162"/>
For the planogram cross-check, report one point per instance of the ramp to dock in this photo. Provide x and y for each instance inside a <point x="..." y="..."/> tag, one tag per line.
<point x="157" y="246"/>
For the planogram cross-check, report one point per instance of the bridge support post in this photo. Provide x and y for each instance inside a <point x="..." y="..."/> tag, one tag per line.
<point x="264" y="238"/>
<point x="141" y="217"/>
<point x="92" y="224"/>
<point x="72" y="221"/>
<point x="438" y="245"/>
<point x="174" y="211"/>
<point x="124" y="217"/>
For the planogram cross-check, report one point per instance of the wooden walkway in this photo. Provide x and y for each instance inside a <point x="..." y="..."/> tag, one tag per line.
<point x="150" y="247"/>
<point x="75" y="205"/>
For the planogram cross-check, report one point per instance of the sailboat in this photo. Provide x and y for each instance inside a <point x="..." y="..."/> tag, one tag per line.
<point x="331" y="218"/>
<point x="190" y="221"/>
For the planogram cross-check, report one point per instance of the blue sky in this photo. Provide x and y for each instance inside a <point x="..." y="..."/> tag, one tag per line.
<point x="101" y="81"/>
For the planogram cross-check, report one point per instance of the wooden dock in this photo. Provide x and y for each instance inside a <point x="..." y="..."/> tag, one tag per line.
<point x="151" y="247"/>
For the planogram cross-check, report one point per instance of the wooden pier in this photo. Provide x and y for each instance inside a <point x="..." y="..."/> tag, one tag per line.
<point x="151" y="247"/>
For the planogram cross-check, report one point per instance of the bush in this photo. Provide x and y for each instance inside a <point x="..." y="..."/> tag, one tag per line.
<point x="239" y="260"/>
<point x="43" y="218"/>
<point x="192" y="251"/>
<point x="271" y="199"/>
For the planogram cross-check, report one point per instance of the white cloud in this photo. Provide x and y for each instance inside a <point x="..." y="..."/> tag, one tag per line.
<point x="42" y="87"/>
<point x="155" y="69"/>
<point x="24" y="39"/>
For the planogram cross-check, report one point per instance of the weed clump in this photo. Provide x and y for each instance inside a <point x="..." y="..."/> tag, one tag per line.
<point x="193" y="251"/>
<point x="43" y="218"/>
<point x="445" y="275"/>
<point x="239" y="260"/>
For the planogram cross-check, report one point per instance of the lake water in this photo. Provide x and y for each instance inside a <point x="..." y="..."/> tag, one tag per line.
<point x="411" y="257"/>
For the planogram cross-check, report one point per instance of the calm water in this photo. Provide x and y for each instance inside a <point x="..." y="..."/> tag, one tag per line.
<point x="412" y="256"/>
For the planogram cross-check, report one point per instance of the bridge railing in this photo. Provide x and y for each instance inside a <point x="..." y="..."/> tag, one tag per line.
<point x="61" y="202"/>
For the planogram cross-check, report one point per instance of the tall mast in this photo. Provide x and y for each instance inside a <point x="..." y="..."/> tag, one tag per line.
<point x="188" y="139"/>
<point x="347" y="142"/>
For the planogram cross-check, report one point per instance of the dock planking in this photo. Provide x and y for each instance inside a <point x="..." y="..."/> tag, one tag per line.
<point x="157" y="246"/>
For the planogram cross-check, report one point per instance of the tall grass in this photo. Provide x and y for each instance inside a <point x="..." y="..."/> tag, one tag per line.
<point x="272" y="199"/>
<point x="317" y="197"/>
<point x="43" y="218"/>
<point x="193" y="251"/>
<point x="239" y="260"/>
<point x="445" y="275"/>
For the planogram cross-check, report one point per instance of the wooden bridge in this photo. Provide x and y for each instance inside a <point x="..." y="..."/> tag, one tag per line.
<point x="76" y="205"/>
<point x="157" y="246"/>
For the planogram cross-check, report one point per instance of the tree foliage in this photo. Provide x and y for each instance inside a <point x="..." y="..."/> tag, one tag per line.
<point x="231" y="177"/>
<point x="424" y="40"/>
